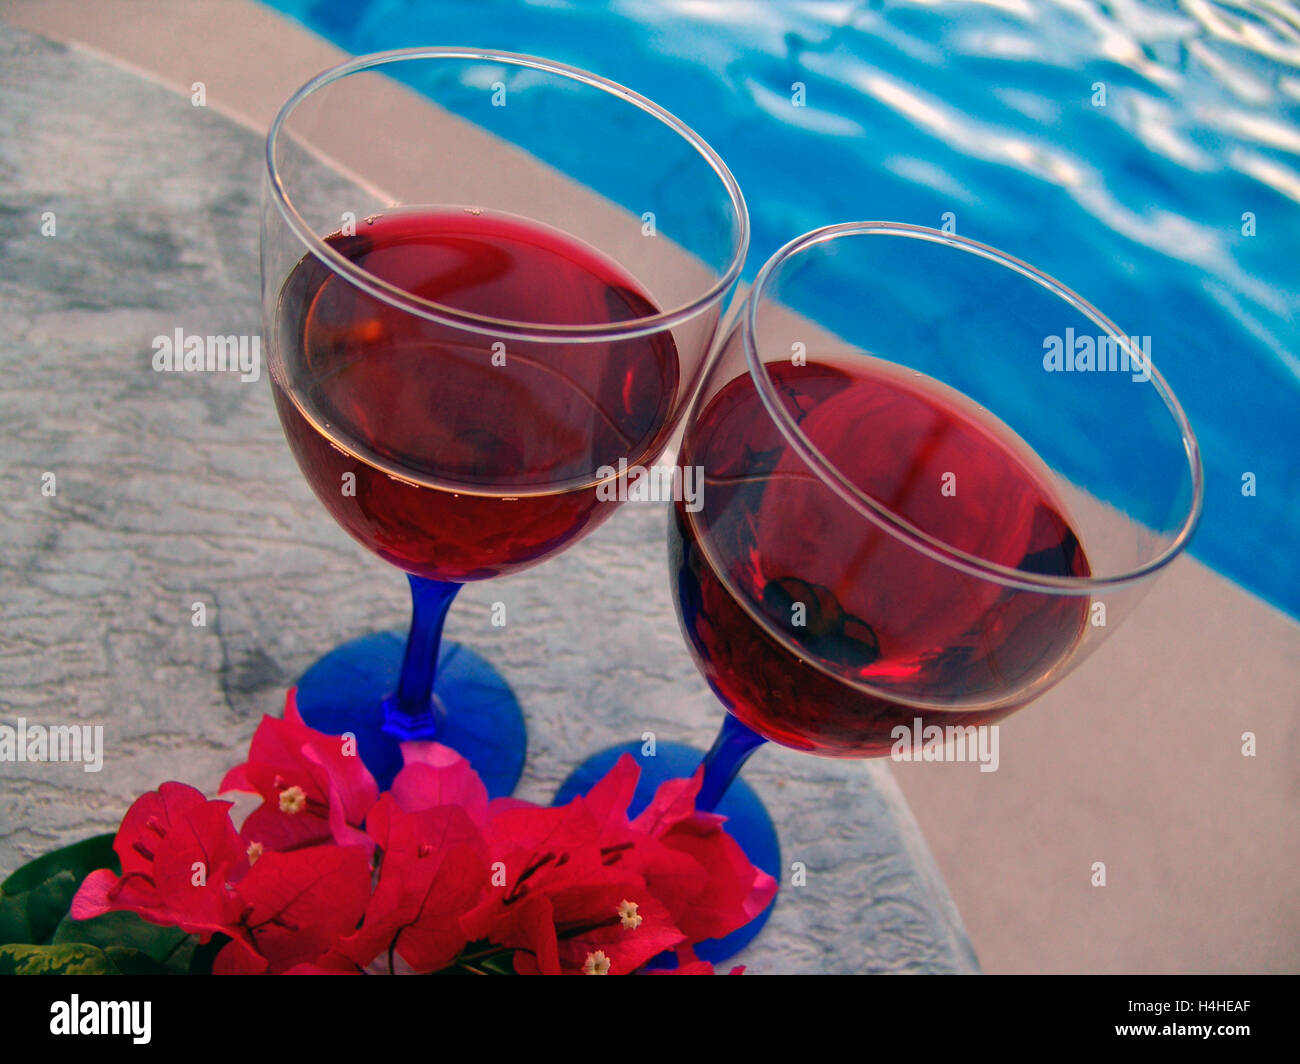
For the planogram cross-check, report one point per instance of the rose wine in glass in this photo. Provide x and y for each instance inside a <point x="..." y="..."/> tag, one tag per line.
<point x="907" y="513"/>
<point x="421" y="415"/>
<point x="796" y="613"/>
<point x="472" y="339"/>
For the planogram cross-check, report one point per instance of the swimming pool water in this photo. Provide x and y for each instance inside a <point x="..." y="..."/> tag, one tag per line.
<point x="988" y="109"/>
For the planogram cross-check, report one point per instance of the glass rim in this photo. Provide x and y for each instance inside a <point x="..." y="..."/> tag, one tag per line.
<point x="895" y="524"/>
<point x="502" y="327"/>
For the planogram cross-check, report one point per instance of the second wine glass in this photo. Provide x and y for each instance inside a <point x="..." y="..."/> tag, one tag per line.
<point x="935" y="479"/>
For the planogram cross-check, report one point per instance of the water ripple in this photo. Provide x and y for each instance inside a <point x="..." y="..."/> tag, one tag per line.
<point x="1131" y="147"/>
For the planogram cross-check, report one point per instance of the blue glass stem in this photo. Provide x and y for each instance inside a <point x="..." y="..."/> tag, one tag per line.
<point x="411" y="712"/>
<point x="729" y="752"/>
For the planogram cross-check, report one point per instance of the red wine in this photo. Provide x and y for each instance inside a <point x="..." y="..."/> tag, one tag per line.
<point x="815" y="626"/>
<point x="470" y="456"/>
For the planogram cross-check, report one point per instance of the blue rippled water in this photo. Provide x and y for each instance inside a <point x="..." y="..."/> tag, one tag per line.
<point x="985" y="108"/>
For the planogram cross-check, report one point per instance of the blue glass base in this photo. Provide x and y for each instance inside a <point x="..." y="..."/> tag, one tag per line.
<point x="747" y="822"/>
<point x="476" y="713"/>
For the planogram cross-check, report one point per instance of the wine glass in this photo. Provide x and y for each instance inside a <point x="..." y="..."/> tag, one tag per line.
<point x="935" y="479"/>
<point x="474" y="342"/>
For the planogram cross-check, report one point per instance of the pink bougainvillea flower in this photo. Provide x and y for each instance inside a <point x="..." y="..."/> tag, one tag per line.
<point x="296" y="906"/>
<point x="314" y="787"/>
<point x="555" y="929"/>
<point x="591" y="919"/>
<point x="677" y="876"/>
<point x="691" y="880"/>
<point x="434" y="867"/>
<point x="561" y="875"/>
<point x="330" y="964"/>
<point x="734" y="891"/>
<point x="178" y="852"/>
<point x="434" y="775"/>
<point x="535" y="851"/>
<point x="686" y="858"/>
<point x="580" y="889"/>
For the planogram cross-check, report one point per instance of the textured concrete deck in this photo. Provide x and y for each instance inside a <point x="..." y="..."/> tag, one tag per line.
<point x="174" y="489"/>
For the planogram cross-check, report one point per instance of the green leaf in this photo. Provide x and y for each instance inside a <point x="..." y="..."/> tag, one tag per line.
<point x="169" y="947"/>
<point x="68" y="959"/>
<point x="13" y="920"/>
<point x="482" y="958"/>
<point x="77" y="958"/>
<point x="81" y="858"/>
<point x="499" y="964"/>
<point x="48" y="902"/>
<point x="35" y="899"/>
<point x="128" y="961"/>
